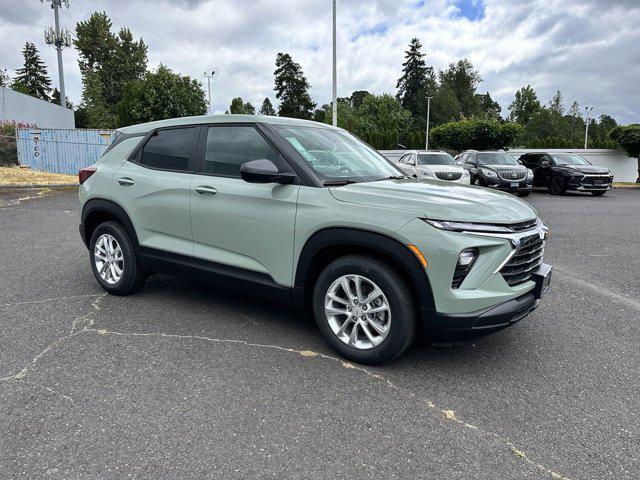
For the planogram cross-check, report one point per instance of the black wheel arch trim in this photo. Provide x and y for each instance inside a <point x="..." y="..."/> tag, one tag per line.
<point x="97" y="205"/>
<point x="332" y="237"/>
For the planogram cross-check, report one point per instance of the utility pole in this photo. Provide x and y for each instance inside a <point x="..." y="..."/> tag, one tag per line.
<point x="59" y="39"/>
<point x="335" y="71"/>
<point x="209" y="77"/>
<point x="586" y="127"/>
<point x="426" y="147"/>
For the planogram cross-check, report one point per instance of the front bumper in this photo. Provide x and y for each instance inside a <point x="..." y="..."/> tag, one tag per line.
<point x="590" y="183"/>
<point x="467" y="326"/>
<point x="509" y="186"/>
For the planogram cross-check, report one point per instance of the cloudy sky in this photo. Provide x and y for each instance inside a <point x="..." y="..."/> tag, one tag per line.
<point x="587" y="49"/>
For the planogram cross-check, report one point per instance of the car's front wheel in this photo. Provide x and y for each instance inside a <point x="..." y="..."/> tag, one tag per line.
<point x="113" y="260"/>
<point x="364" y="309"/>
<point x="556" y="186"/>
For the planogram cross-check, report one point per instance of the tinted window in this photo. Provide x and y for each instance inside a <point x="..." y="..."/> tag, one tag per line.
<point x="496" y="158"/>
<point x="169" y="149"/>
<point x="229" y="147"/>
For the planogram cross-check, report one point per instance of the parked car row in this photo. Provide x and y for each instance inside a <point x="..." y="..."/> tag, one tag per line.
<point x="557" y="172"/>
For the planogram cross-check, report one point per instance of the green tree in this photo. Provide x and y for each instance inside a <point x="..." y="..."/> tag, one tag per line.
<point x="524" y="105"/>
<point x="108" y="62"/>
<point x="32" y="78"/>
<point x="159" y="95"/>
<point x="445" y="106"/>
<point x="358" y="97"/>
<point x="417" y="79"/>
<point x="292" y="88"/>
<point x="574" y="117"/>
<point x="476" y="134"/>
<point x="381" y="120"/>
<point x="237" y="106"/>
<point x="4" y="78"/>
<point x="556" y="104"/>
<point x="55" y="98"/>
<point x="628" y="137"/>
<point x="249" y="109"/>
<point x="267" y="108"/>
<point x="489" y="108"/>
<point x="463" y="79"/>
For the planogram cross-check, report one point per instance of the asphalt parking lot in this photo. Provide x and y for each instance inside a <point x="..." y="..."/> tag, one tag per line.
<point x="182" y="381"/>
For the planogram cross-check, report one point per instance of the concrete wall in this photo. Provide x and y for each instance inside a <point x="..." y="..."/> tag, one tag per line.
<point x="625" y="169"/>
<point x="23" y="108"/>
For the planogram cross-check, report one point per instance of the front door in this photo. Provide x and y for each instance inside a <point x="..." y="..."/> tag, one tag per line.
<point x="236" y="224"/>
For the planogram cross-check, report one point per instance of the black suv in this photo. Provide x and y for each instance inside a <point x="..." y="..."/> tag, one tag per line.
<point x="560" y="172"/>
<point x="497" y="169"/>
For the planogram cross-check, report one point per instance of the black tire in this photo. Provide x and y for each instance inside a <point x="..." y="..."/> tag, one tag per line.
<point x="477" y="182"/>
<point x="133" y="278"/>
<point x="599" y="193"/>
<point x="403" y="325"/>
<point x="556" y="186"/>
<point x="523" y="194"/>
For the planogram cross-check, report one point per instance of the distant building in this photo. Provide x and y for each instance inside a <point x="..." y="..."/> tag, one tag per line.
<point x="18" y="107"/>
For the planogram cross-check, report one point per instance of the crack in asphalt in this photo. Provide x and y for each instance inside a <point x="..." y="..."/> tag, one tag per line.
<point x="85" y="323"/>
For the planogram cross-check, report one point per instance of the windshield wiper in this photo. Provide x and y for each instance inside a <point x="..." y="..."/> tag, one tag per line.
<point x="391" y="177"/>
<point x="337" y="183"/>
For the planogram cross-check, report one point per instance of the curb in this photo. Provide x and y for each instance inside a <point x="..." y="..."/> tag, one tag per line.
<point x="30" y="186"/>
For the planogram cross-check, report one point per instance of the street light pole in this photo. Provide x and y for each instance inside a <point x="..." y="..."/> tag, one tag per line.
<point x="209" y="77"/>
<point x="335" y="71"/>
<point x="59" y="39"/>
<point x="586" y="127"/>
<point x="426" y="147"/>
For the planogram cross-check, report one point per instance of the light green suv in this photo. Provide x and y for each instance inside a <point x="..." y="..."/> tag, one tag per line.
<point x="306" y="214"/>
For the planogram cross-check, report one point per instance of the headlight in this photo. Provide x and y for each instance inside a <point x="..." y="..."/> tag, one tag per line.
<point x="489" y="173"/>
<point x="427" y="173"/>
<point x="467" y="227"/>
<point x="529" y="173"/>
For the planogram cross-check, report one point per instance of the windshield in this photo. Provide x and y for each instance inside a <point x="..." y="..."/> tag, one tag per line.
<point x="435" y="159"/>
<point x="496" y="158"/>
<point x="338" y="155"/>
<point x="568" y="159"/>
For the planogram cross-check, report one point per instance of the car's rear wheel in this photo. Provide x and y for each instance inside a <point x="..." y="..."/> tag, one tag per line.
<point x="364" y="309"/>
<point x="556" y="186"/>
<point x="113" y="260"/>
<point x="599" y="193"/>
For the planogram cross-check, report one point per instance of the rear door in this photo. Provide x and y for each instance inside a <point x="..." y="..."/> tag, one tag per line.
<point x="237" y="224"/>
<point x="153" y="188"/>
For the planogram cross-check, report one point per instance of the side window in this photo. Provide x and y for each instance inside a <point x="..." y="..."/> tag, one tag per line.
<point x="169" y="149"/>
<point x="412" y="159"/>
<point x="471" y="159"/>
<point x="228" y="147"/>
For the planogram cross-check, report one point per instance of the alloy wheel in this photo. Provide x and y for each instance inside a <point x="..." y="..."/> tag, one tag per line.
<point x="108" y="259"/>
<point x="357" y="311"/>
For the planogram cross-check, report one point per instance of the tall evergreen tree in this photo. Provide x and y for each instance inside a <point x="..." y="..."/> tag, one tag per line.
<point x="237" y="106"/>
<point x="524" y="106"/>
<point x="489" y="108"/>
<point x="4" y="78"/>
<point x="463" y="79"/>
<point x="556" y="103"/>
<point x="107" y="61"/>
<point x="55" y="98"/>
<point x="249" y="109"/>
<point x="267" y="108"/>
<point x="292" y="88"/>
<point x="417" y="80"/>
<point x="574" y="113"/>
<point x="32" y="78"/>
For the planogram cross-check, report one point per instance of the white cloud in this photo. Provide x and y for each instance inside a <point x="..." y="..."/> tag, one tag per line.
<point x="585" y="49"/>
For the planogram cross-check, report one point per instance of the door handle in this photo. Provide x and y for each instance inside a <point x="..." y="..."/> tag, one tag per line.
<point x="205" y="190"/>
<point x="125" y="181"/>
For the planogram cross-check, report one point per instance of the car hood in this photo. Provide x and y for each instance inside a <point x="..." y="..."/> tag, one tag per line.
<point x="440" y="200"/>
<point x="589" y="169"/>
<point x="439" y="168"/>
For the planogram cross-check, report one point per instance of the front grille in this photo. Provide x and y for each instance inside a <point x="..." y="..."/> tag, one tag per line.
<point x="449" y="175"/>
<point x="523" y="263"/>
<point x="513" y="174"/>
<point x="522" y="226"/>
<point x="590" y="180"/>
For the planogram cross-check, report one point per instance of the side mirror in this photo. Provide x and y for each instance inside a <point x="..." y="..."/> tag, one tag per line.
<point x="264" y="171"/>
<point x="520" y="162"/>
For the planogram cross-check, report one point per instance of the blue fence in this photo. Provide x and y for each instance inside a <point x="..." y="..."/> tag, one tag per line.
<point x="61" y="150"/>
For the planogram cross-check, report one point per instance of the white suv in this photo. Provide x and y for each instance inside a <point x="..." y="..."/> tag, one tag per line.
<point x="433" y="164"/>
